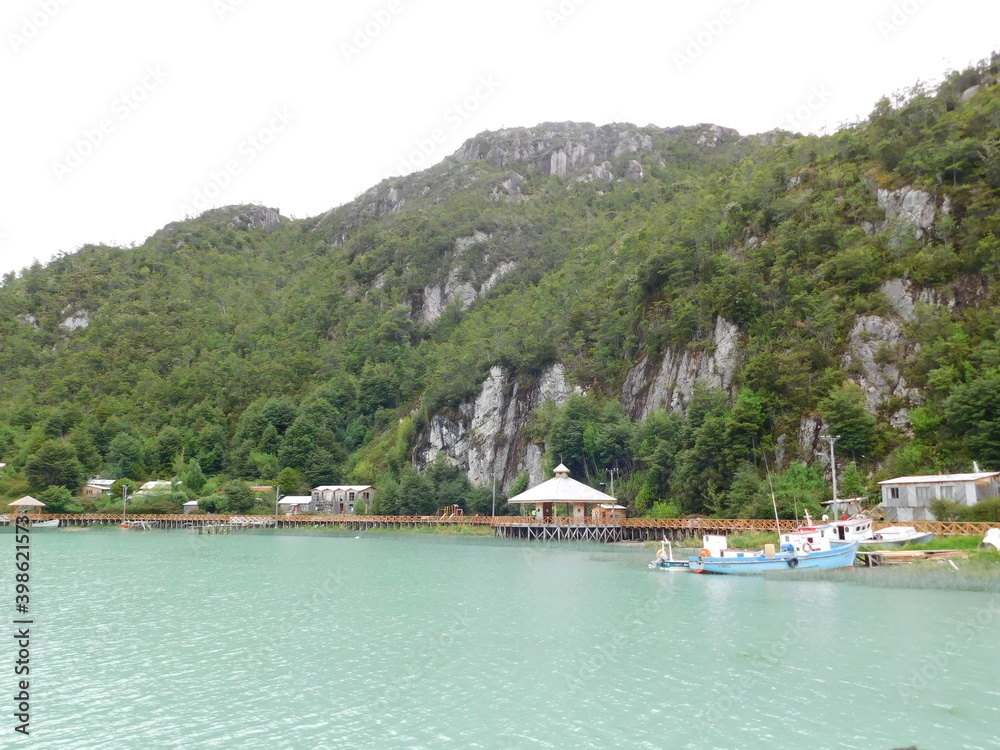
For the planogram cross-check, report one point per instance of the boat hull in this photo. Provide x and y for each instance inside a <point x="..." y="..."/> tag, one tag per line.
<point x="671" y="565"/>
<point x="886" y="543"/>
<point x="838" y="556"/>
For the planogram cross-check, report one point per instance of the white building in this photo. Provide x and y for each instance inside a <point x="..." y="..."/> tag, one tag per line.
<point x="295" y="504"/>
<point x="156" y="487"/>
<point x="562" y="489"/>
<point x="909" y="498"/>
<point x="340" y="498"/>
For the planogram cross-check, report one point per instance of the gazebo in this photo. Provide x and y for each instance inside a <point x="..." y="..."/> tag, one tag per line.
<point x="562" y="489"/>
<point x="26" y="502"/>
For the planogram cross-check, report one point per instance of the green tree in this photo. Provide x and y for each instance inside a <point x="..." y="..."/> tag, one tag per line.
<point x="972" y="412"/>
<point x="237" y="497"/>
<point x="125" y="456"/>
<point x="193" y="477"/>
<point x="852" y="482"/>
<point x="416" y="494"/>
<point x="747" y="494"/>
<point x="54" y="463"/>
<point x="57" y="499"/>
<point x="845" y="413"/>
<point x="290" y="481"/>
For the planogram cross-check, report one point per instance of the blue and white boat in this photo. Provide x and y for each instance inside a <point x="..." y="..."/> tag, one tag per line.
<point x="810" y="547"/>
<point x="666" y="561"/>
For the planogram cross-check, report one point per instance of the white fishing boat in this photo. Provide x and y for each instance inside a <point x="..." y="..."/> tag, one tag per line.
<point x="50" y="524"/>
<point x="861" y="529"/>
<point x="897" y="536"/>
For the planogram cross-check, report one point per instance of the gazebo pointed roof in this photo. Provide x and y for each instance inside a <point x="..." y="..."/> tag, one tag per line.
<point x="561" y="489"/>
<point x="27" y="502"/>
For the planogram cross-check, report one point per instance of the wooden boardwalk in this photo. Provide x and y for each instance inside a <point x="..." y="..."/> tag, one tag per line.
<point x="520" y="527"/>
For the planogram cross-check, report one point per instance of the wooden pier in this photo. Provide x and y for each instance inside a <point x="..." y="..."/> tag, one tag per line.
<point x="558" y="528"/>
<point x="878" y="557"/>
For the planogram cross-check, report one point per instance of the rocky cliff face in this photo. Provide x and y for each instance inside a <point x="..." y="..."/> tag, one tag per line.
<point x="669" y="384"/>
<point x="458" y="286"/>
<point x="907" y="212"/>
<point x="485" y="439"/>
<point x="875" y="348"/>
<point x="563" y="148"/>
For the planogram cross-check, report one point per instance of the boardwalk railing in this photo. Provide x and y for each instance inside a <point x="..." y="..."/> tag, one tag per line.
<point x="634" y="528"/>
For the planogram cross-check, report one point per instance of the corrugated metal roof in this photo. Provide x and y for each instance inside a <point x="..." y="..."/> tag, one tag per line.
<point x="345" y="487"/>
<point x="939" y="478"/>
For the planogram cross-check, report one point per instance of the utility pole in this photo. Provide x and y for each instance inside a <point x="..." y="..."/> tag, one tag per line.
<point x="277" y="496"/>
<point x="612" y="472"/>
<point x="494" y="495"/>
<point x="831" y="439"/>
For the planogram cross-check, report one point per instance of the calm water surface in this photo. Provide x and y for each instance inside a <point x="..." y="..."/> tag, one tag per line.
<point x="171" y="640"/>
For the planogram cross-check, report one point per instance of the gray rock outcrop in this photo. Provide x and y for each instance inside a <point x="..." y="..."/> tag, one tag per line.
<point x="457" y="287"/>
<point x="485" y="438"/>
<point x="907" y="211"/>
<point x="256" y="217"/>
<point x="80" y="319"/>
<point x="670" y="385"/>
<point x="875" y="346"/>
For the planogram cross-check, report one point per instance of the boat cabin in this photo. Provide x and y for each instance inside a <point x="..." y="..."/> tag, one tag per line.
<point x="809" y="539"/>
<point x="717" y="545"/>
<point x="854" y="529"/>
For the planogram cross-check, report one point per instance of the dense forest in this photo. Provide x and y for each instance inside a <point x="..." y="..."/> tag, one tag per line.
<point x="239" y="347"/>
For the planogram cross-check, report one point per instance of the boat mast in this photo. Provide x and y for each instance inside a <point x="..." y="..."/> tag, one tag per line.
<point x="831" y="439"/>
<point x="774" y="501"/>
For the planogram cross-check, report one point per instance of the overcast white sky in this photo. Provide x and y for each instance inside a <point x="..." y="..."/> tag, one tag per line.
<point x="123" y="116"/>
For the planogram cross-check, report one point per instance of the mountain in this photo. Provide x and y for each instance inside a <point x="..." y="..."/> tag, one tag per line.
<point x="662" y="306"/>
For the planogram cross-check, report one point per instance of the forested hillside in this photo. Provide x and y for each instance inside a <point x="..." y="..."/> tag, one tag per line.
<point x="667" y="306"/>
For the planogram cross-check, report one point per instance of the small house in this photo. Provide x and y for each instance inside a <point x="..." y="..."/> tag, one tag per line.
<point x="909" y="498"/>
<point x="95" y="488"/>
<point x="190" y="506"/>
<point x="608" y="513"/>
<point x="292" y="505"/>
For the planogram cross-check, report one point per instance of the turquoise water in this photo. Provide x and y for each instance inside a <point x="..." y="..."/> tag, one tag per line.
<point x="171" y="640"/>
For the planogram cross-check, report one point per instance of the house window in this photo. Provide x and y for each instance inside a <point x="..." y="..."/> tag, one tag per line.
<point x="894" y="493"/>
<point x="925" y="492"/>
<point x="948" y="491"/>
